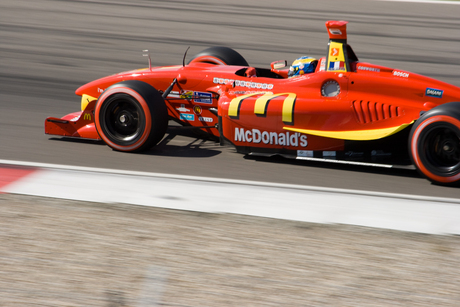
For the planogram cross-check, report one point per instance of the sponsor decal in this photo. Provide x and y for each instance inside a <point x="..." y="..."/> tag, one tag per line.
<point x="260" y="106"/>
<point x="248" y="92"/>
<point x="256" y="136"/>
<point x="100" y="90"/>
<point x="182" y="108"/>
<point x="322" y="65"/>
<point x="380" y="153"/>
<point x="87" y="116"/>
<point x="338" y="65"/>
<point x="205" y="119"/>
<point x="174" y="94"/>
<point x="400" y="74"/>
<point x="432" y="92"/>
<point x="248" y="84"/>
<point x="186" y="95"/>
<point x="197" y="110"/>
<point x="187" y="117"/>
<point x="305" y="153"/>
<point x="353" y="154"/>
<point x="335" y="51"/>
<point x="329" y="154"/>
<point x="200" y="97"/>
<point x="369" y="68"/>
<point x="335" y="31"/>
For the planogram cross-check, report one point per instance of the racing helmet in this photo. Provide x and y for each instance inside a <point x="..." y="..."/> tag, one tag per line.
<point x="303" y="65"/>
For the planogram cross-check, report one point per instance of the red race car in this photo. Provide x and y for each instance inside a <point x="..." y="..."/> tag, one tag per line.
<point x="335" y="108"/>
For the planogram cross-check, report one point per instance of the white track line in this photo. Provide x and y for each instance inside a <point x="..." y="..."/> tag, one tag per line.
<point x="229" y="181"/>
<point x="293" y="202"/>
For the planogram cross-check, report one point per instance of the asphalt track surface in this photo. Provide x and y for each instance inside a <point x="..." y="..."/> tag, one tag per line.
<point x="49" y="48"/>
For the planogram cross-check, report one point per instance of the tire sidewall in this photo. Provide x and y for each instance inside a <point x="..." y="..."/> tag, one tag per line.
<point x="418" y="136"/>
<point x="140" y="96"/>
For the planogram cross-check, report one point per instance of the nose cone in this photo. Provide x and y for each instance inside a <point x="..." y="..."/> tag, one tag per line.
<point x="84" y="89"/>
<point x="96" y="87"/>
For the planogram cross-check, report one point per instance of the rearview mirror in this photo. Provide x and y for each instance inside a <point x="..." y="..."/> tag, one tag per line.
<point x="278" y="64"/>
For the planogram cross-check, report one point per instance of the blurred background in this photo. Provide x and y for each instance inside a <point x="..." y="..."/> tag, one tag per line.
<point x="47" y="39"/>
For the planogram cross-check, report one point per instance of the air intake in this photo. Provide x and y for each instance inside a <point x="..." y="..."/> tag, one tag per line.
<point x="368" y="112"/>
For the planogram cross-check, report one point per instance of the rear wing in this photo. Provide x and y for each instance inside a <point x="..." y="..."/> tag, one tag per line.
<point x="339" y="53"/>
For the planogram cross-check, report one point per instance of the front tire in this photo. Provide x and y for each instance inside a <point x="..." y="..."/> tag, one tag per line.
<point x="131" y="116"/>
<point x="434" y="144"/>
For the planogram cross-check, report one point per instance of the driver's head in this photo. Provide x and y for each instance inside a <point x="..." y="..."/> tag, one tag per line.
<point x="301" y="66"/>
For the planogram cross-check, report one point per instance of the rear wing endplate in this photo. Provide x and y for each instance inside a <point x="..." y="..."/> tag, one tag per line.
<point x="338" y="52"/>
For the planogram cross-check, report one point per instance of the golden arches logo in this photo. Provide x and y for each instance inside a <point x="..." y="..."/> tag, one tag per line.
<point x="261" y="104"/>
<point x="197" y="110"/>
<point x="86" y="116"/>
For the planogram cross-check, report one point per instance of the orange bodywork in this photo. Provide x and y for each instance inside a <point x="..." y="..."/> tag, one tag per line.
<point x="343" y="101"/>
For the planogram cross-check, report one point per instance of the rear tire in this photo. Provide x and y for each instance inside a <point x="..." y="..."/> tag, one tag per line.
<point x="219" y="56"/>
<point x="434" y="144"/>
<point x="131" y="116"/>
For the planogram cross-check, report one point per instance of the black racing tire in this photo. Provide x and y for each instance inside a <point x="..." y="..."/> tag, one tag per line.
<point x="131" y="116"/>
<point x="219" y="56"/>
<point x="434" y="144"/>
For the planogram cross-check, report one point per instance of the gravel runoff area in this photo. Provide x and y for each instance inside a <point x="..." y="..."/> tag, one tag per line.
<point x="69" y="253"/>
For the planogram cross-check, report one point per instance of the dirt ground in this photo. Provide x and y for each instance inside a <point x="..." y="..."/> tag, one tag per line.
<point x="69" y="253"/>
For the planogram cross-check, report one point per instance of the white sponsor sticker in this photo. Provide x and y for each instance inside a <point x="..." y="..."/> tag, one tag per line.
<point x="205" y="119"/>
<point x="241" y="83"/>
<point x="400" y="74"/>
<point x="182" y="108"/>
<point x="305" y="153"/>
<point x="329" y="153"/>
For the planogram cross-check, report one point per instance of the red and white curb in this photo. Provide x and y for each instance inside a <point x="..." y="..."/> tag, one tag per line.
<point x="282" y="201"/>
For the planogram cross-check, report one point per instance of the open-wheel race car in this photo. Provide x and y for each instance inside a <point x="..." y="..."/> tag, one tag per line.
<point x="335" y="108"/>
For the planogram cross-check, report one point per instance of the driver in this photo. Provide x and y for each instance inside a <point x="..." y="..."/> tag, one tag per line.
<point x="301" y="66"/>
